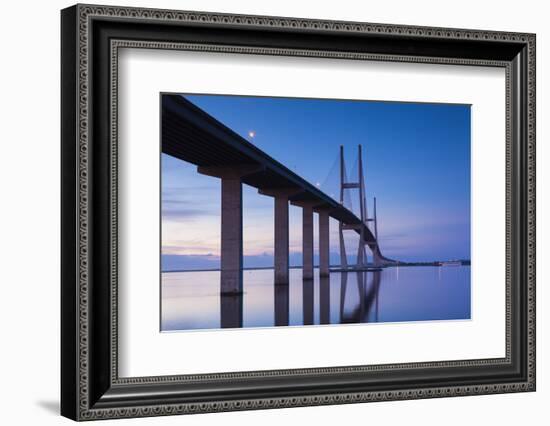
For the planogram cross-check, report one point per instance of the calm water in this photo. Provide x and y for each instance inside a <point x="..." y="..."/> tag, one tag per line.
<point x="191" y="300"/>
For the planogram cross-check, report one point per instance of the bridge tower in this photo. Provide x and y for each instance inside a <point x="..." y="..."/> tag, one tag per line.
<point x="360" y="185"/>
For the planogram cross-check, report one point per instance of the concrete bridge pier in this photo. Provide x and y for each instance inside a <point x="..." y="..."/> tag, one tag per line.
<point x="281" y="243"/>
<point x="324" y="242"/>
<point x="231" y="281"/>
<point x="307" y="237"/>
<point x="281" y="234"/>
<point x="307" y="242"/>
<point x="232" y="236"/>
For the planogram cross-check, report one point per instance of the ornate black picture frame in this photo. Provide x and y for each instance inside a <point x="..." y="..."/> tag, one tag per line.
<point x="91" y="387"/>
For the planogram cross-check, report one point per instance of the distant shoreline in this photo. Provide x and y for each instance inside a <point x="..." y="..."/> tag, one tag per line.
<point x="260" y="268"/>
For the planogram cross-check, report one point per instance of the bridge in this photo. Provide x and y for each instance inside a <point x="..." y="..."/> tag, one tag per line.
<point x="192" y="135"/>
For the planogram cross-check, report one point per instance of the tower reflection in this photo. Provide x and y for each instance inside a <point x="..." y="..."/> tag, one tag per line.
<point x="365" y="307"/>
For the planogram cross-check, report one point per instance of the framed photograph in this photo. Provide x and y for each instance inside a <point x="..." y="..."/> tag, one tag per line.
<point x="263" y="212"/>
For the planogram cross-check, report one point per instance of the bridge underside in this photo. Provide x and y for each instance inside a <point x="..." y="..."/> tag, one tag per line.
<point x="192" y="135"/>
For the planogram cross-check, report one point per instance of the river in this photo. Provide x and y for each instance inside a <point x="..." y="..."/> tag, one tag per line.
<point x="191" y="300"/>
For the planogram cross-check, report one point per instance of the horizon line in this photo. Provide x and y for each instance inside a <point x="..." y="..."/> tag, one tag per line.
<point x="465" y="262"/>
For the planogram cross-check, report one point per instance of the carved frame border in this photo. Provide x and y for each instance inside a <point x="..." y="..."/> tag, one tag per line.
<point x="85" y="13"/>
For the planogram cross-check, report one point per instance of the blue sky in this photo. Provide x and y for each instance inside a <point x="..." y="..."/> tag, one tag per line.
<point x="416" y="159"/>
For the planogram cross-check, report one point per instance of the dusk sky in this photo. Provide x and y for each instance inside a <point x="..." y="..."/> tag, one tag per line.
<point x="416" y="162"/>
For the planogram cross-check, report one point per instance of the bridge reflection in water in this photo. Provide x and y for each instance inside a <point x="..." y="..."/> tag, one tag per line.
<point x="192" y="301"/>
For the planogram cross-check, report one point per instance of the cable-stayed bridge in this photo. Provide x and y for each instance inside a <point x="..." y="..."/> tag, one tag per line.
<point x="192" y="135"/>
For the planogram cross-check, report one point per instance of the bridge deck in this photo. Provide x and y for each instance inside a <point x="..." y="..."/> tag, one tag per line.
<point x="192" y="135"/>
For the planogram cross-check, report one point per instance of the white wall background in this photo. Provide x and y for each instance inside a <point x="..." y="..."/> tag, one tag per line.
<point x="29" y="214"/>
